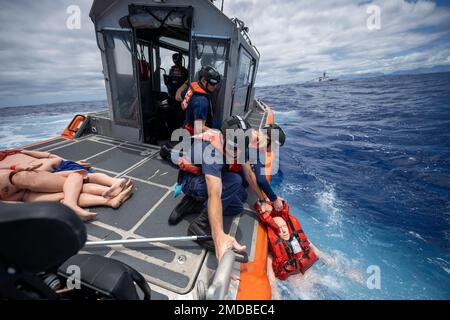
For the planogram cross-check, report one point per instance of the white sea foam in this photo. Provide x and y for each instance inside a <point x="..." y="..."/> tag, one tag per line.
<point x="446" y="269"/>
<point x="286" y="114"/>
<point x="326" y="281"/>
<point x="284" y="117"/>
<point x="10" y="139"/>
<point x="443" y="264"/>
<point x="310" y="286"/>
<point x="327" y="200"/>
<point x="23" y="130"/>
<point x="291" y="189"/>
<point x="416" y="235"/>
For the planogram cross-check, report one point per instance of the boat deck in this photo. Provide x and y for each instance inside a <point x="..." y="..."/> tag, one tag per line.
<point x="172" y="269"/>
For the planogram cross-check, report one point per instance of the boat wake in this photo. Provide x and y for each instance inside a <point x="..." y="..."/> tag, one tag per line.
<point x="328" y="280"/>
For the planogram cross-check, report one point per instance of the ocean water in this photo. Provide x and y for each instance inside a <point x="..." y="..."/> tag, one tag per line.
<point x="366" y="169"/>
<point x="20" y="126"/>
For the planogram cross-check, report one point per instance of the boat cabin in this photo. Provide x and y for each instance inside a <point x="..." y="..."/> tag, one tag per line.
<point x="137" y="43"/>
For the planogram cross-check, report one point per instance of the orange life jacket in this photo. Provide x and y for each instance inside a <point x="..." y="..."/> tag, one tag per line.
<point x="196" y="89"/>
<point x="291" y="256"/>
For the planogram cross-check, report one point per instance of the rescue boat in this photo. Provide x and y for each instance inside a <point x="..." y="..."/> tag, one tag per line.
<point x="136" y="41"/>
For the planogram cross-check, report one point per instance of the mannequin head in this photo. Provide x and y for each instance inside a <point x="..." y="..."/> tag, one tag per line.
<point x="284" y="231"/>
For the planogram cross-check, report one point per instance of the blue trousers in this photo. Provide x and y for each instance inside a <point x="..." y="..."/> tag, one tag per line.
<point x="233" y="192"/>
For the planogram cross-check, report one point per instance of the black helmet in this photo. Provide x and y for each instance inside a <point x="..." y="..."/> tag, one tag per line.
<point x="177" y="58"/>
<point x="281" y="134"/>
<point x="211" y="75"/>
<point x="234" y="123"/>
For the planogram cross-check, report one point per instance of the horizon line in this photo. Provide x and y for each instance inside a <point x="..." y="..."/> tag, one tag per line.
<point x="263" y="86"/>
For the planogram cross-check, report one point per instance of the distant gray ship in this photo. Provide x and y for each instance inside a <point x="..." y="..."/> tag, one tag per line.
<point x="323" y="78"/>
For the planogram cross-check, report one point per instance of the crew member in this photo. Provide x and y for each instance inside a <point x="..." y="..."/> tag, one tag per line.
<point x="195" y="100"/>
<point x="220" y="183"/>
<point x="178" y="75"/>
<point x="267" y="138"/>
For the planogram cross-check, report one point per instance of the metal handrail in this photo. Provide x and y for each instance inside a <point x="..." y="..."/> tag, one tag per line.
<point x="221" y="282"/>
<point x="243" y="29"/>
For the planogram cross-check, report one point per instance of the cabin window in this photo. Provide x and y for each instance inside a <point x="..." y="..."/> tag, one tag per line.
<point x="122" y="57"/>
<point x="244" y="71"/>
<point x="121" y="77"/>
<point x="212" y="53"/>
<point x="244" y="82"/>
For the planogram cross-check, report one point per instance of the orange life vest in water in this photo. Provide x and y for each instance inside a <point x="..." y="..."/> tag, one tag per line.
<point x="291" y="256"/>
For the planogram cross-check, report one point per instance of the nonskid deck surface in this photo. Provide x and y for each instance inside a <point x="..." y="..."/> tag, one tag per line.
<point x="170" y="268"/>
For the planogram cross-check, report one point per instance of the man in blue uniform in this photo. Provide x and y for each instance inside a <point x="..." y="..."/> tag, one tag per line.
<point x="259" y="166"/>
<point x="196" y="102"/>
<point x="221" y="184"/>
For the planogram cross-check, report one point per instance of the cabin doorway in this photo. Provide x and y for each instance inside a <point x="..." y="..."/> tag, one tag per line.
<point x="159" y="78"/>
<point x="162" y="45"/>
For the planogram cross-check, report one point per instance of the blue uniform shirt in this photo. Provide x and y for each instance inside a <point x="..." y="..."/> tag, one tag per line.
<point x="197" y="109"/>
<point x="259" y="169"/>
<point x="196" y="186"/>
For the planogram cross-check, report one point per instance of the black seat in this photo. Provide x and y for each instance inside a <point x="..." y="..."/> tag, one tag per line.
<point x="112" y="277"/>
<point x="37" y="238"/>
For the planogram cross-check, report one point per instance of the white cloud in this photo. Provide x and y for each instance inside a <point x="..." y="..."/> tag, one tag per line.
<point x="41" y="60"/>
<point x="332" y="36"/>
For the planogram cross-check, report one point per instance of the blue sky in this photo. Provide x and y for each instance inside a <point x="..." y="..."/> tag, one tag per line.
<point x="42" y="61"/>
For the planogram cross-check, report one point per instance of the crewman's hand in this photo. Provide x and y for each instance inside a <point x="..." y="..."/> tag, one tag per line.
<point x="223" y="242"/>
<point x="278" y="204"/>
<point x="266" y="207"/>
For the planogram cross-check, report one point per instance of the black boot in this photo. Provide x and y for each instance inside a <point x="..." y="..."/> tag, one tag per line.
<point x="201" y="227"/>
<point x="188" y="205"/>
